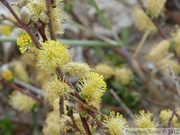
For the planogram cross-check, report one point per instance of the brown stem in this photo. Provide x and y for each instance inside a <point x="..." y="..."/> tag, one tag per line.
<point x="94" y="117"/>
<point x="64" y="77"/>
<point x="15" y="87"/>
<point x="85" y="125"/>
<point x="161" y="32"/>
<point x="41" y="31"/>
<point x="50" y="26"/>
<point x="172" y="116"/>
<point x="70" y="114"/>
<point x="37" y="43"/>
<point x="61" y="106"/>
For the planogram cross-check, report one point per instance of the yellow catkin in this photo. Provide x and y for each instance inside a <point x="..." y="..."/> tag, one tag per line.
<point x="54" y="88"/>
<point x="36" y="8"/>
<point x="124" y="75"/>
<point x="166" y="114"/>
<point x="142" y="21"/>
<point x="76" y="68"/>
<point x="57" y="20"/>
<point x="24" y="42"/>
<point x="158" y="51"/>
<point x="115" y="123"/>
<point x="92" y="87"/>
<point x="21" y="102"/>
<point x="174" y="65"/>
<point x="155" y="7"/>
<point x="144" y="120"/>
<point x="7" y="75"/>
<point x="52" y="55"/>
<point x="5" y="30"/>
<point x="20" y="71"/>
<point x="54" y="124"/>
<point x="105" y="70"/>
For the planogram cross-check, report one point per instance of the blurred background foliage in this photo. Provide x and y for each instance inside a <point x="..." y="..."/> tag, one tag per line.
<point x="98" y="31"/>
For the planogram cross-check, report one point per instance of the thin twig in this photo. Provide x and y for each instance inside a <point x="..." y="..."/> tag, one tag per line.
<point x="141" y="43"/>
<point x="61" y="106"/>
<point x="50" y="25"/>
<point x="175" y="79"/>
<point x="172" y="116"/>
<point x="122" y="103"/>
<point x="15" y="87"/>
<point x="85" y="125"/>
<point x="29" y="87"/>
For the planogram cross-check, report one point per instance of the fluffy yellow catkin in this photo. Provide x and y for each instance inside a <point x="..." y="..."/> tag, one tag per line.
<point x="142" y="21"/>
<point x="159" y="51"/>
<point x="115" y="123"/>
<point x="155" y="7"/>
<point x="52" y="55"/>
<point x="165" y="115"/>
<point x="5" y="29"/>
<point x="76" y="68"/>
<point x="124" y="75"/>
<point x="144" y="120"/>
<point x="92" y="88"/>
<point x="174" y="65"/>
<point x="105" y="70"/>
<point x="54" y="88"/>
<point x="54" y="124"/>
<point x="24" y="42"/>
<point x="36" y="8"/>
<point x="20" y="71"/>
<point x="57" y="20"/>
<point x="21" y="102"/>
<point x="7" y="75"/>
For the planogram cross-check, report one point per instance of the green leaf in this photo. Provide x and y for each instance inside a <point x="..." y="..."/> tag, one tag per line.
<point x="5" y="126"/>
<point x="125" y="35"/>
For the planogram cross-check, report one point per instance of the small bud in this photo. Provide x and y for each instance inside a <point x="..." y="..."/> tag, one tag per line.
<point x="7" y="75"/>
<point x="80" y="109"/>
<point x="44" y="18"/>
<point x="25" y="15"/>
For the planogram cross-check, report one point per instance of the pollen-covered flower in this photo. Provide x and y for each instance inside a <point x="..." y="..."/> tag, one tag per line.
<point x="52" y="55"/>
<point x="165" y="116"/>
<point x="142" y="21"/>
<point x="57" y="20"/>
<point x="155" y="7"/>
<point x="5" y="29"/>
<point x="55" y="88"/>
<point x="105" y="70"/>
<point x="92" y="87"/>
<point x="7" y="75"/>
<point x="159" y="51"/>
<point x="174" y="65"/>
<point x="36" y="8"/>
<point x="24" y="42"/>
<point x="20" y="71"/>
<point x="76" y="68"/>
<point x="115" y="123"/>
<point x="124" y="75"/>
<point x="21" y="102"/>
<point x="56" y="124"/>
<point x="144" y="120"/>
